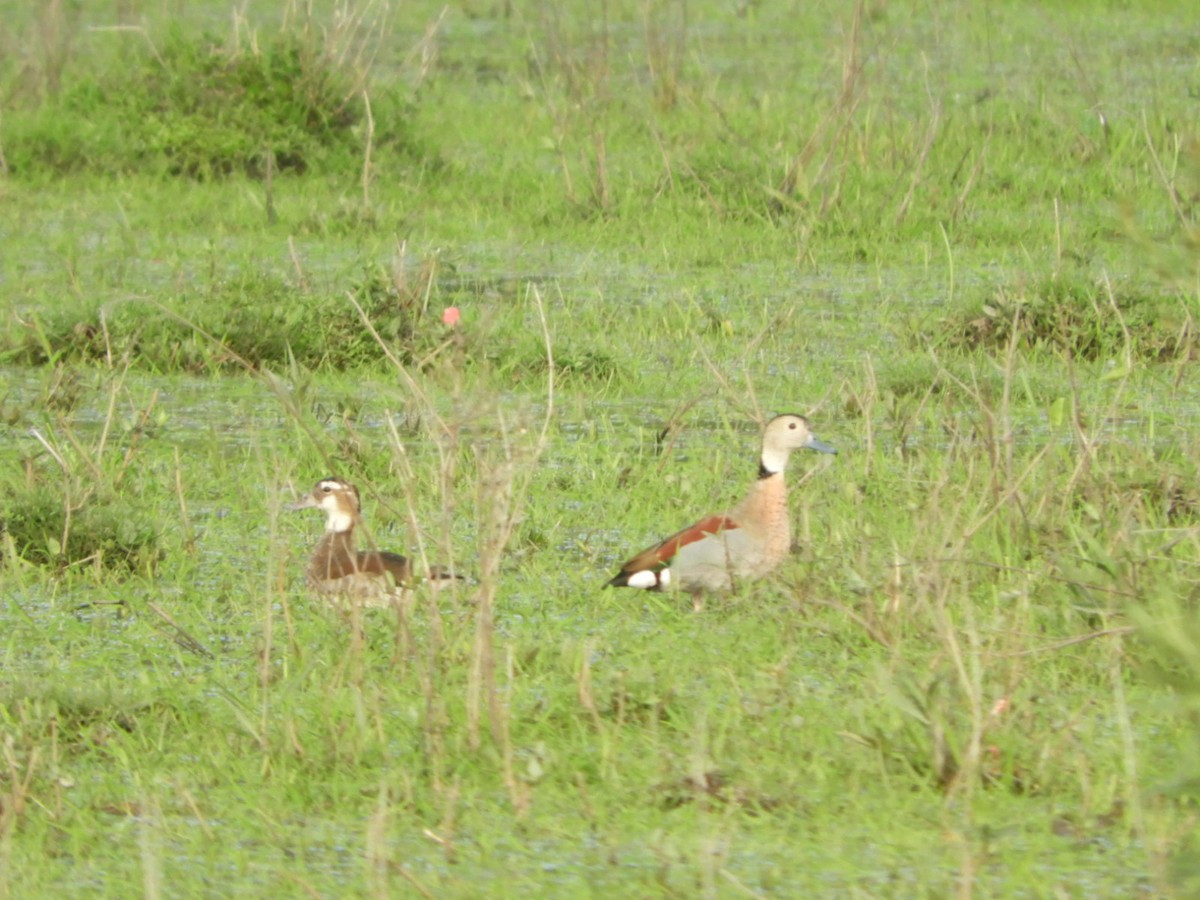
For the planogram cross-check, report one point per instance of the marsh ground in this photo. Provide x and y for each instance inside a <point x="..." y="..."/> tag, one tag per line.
<point x="960" y="238"/>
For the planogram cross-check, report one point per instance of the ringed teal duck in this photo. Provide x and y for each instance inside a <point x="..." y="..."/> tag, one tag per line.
<point x="746" y="543"/>
<point x="341" y="572"/>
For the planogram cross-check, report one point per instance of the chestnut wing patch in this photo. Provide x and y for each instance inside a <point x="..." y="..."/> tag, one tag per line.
<point x="660" y="555"/>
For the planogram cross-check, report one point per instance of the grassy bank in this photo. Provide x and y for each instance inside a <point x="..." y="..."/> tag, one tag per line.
<point x="962" y="240"/>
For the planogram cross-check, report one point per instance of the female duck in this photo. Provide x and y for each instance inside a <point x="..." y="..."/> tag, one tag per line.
<point x="340" y="571"/>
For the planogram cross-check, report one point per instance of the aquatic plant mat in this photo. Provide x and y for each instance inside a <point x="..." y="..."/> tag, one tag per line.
<point x="532" y="276"/>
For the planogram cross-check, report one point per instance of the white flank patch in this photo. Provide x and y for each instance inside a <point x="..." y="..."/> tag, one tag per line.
<point x="664" y="577"/>
<point x="647" y="579"/>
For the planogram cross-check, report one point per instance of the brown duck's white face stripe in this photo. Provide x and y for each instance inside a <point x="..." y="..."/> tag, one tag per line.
<point x="339" y="500"/>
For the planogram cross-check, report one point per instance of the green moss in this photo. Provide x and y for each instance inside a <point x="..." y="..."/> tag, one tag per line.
<point x="109" y="534"/>
<point x="247" y="319"/>
<point x="200" y="108"/>
<point x="1071" y="316"/>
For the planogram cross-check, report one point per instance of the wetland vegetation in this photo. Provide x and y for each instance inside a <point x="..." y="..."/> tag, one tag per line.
<point x="961" y="237"/>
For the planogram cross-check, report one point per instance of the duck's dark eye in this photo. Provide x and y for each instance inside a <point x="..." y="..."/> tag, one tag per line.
<point x="792" y="425"/>
<point x="327" y="489"/>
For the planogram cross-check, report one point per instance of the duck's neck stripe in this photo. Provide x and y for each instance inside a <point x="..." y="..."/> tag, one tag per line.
<point x="772" y="462"/>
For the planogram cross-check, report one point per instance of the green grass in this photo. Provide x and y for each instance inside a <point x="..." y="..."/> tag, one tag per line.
<point x="961" y="240"/>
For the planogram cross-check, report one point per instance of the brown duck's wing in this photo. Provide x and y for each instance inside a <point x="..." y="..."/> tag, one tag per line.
<point x="660" y="555"/>
<point x="399" y="567"/>
<point x="379" y="562"/>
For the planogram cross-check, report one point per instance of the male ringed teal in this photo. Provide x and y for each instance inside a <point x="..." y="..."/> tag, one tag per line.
<point x="746" y="543"/>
